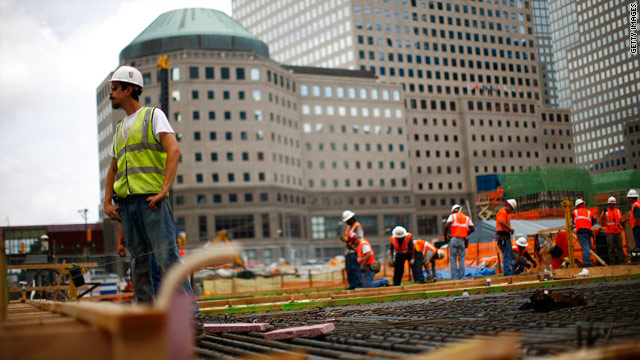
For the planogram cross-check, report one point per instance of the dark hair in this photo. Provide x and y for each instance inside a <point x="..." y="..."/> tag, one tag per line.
<point x="135" y="92"/>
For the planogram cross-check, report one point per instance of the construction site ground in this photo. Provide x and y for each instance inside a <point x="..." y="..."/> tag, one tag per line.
<point x="398" y="329"/>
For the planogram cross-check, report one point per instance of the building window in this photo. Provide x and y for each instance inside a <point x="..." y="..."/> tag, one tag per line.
<point x="391" y="221"/>
<point x="237" y="226"/>
<point x="224" y="73"/>
<point x="265" y="226"/>
<point x="239" y="73"/>
<point x="202" y="227"/>
<point x="323" y="227"/>
<point x="208" y="73"/>
<point x="193" y="72"/>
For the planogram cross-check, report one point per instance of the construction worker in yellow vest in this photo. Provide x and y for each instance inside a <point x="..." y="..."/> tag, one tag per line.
<point x="426" y="253"/>
<point x="611" y="219"/>
<point x="144" y="162"/>
<point x="583" y="220"/>
<point x="460" y="226"/>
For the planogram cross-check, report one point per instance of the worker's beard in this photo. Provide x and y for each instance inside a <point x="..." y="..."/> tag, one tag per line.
<point x="115" y="105"/>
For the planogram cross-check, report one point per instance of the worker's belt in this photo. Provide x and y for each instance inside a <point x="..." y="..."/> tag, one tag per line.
<point x="131" y="197"/>
<point x="503" y="233"/>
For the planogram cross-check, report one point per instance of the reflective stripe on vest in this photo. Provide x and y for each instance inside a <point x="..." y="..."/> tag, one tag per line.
<point x="515" y="247"/>
<point x="613" y="221"/>
<point x="460" y="225"/>
<point x="508" y="221"/>
<point x="632" y="219"/>
<point x="352" y="228"/>
<point x="422" y="246"/>
<point x="582" y="219"/>
<point x="404" y="247"/>
<point x="361" y="255"/>
<point x="141" y="159"/>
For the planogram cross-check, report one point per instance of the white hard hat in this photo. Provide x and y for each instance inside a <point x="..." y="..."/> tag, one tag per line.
<point x="513" y="203"/>
<point x="347" y="214"/>
<point x="522" y="242"/>
<point x="441" y="254"/>
<point x="128" y="74"/>
<point x="611" y="200"/>
<point x="399" y="232"/>
<point x="579" y="201"/>
<point x="632" y="193"/>
<point x="455" y="207"/>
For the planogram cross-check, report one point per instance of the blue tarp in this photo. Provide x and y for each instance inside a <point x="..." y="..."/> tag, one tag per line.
<point x="469" y="271"/>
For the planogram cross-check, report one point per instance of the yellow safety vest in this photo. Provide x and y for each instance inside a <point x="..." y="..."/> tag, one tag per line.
<point x="141" y="159"/>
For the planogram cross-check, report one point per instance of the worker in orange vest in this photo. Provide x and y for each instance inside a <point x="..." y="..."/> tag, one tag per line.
<point x="503" y="234"/>
<point x="583" y="220"/>
<point x="611" y="220"/>
<point x="460" y="226"/>
<point x="354" y="278"/>
<point x="366" y="260"/>
<point x="634" y="215"/>
<point x="401" y="250"/>
<point x="426" y="253"/>
<point x="520" y="255"/>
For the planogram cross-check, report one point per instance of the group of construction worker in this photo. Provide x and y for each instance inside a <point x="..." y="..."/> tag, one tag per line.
<point x="361" y="265"/>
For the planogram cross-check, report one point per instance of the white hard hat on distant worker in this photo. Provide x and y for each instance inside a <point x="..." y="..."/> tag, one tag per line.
<point x="129" y="75"/>
<point x="632" y="194"/>
<point x="347" y="214"/>
<point x="579" y="201"/>
<point x="440" y="254"/>
<point x="512" y="203"/>
<point x="455" y="208"/>
<point x="611" y="200"/>
<point x="522" y="242"/>
<point x="399" y="232"/>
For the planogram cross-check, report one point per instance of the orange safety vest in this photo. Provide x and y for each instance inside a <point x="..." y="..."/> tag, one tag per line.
<point x="515" y="247"/>
<point x="361" y="255"/>
<point x="423" y="246"/>
<point x="632" y="219"/>
<point x="460" y="225"/>
<point x="404" y="247"/>
<point x="582" y="218"/>
<point x="613" y="221"/>
<point x="505" y="218"/>
<point x="351" y="228"/>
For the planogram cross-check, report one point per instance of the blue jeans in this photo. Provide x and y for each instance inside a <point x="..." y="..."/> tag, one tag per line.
<point x="636" y="236"/>
<point x="504" y="244"/>
<point x="457" y="253"/>
<point x="369" y="282"/>
<point x="354" y="276"/>
<point x="156" y="277"/>
<point x="584" y="238"/>
<point x="147" y="231"/>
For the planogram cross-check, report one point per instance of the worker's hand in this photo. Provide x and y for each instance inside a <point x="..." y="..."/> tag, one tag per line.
<point x="466" y="243"/>
<point x="111" y="211"/>
<point x="155" y="199"/>
<point x="363" y="268"/>
<point x="535" y="264"/>
<point x="122" y="251"/>
<point x="392" y="262"/>
<point x="412" y="261"/>
<point x="527" y="265"/>
<point x="511" y="231"/>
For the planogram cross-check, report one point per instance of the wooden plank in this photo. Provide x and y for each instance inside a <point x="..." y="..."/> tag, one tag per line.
<point x="51" y="266"/>
<point x="624" y="351"/>
<point x="300" y="331"/>
<point x="235" y="327"/>
<point x="501" y="348"/>
<point x="610" y="270"/>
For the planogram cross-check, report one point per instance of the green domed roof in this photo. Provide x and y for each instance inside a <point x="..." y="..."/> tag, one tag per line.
<point x="195" y="29"/>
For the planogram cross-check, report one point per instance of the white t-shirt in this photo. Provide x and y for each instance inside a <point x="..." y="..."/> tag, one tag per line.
<point x="159" y="124"/>
<point x="366" y="248"/>
<point x="450" y="220"/>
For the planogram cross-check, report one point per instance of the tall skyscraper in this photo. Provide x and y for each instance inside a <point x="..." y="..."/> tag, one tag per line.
<point x="598" y="79"/>
<point x="471" y="72"/>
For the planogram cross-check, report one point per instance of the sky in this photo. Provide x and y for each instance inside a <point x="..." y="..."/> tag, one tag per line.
<point x="53" y="55"/>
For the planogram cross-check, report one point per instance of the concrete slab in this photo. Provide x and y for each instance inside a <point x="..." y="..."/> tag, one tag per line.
<point x="300" y="331"/>
<point x="236" y="327"/>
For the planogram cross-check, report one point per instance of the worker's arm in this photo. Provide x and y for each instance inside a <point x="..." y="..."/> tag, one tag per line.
<point x="391" y="254"/>
<point x="446" y="228"/>
<point x="121" y="242"/>
<point x="366" y="257"/>
<point x="601" y="219"/>
<point x="528" y="257"/>
<point x="109" y="209"/>
<point x="170" y="145"/>
<point x="504" y="224"/>
<point x="471" y="229"/>
<point x="428" y="257"/>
